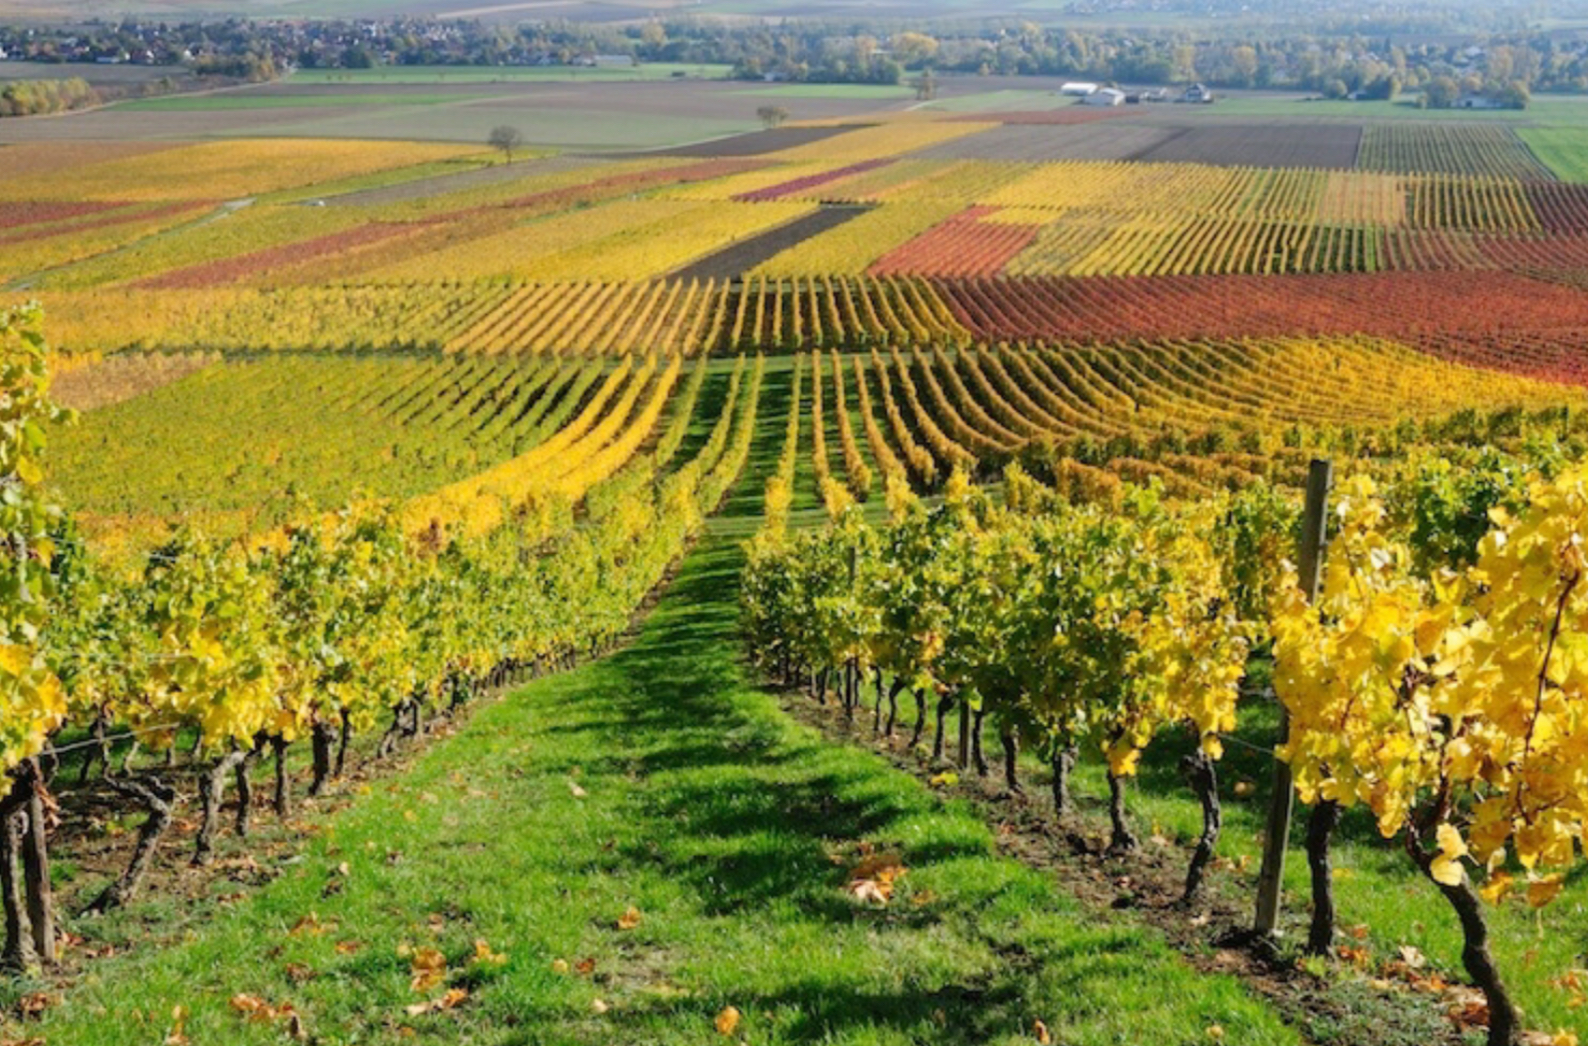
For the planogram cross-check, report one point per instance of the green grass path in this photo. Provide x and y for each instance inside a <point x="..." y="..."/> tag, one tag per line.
<point x="709" y="810"/>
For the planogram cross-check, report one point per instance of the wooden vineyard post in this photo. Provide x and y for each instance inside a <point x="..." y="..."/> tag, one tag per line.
<point x="1320" y="477"/>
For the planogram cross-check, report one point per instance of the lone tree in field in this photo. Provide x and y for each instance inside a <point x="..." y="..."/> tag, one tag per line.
<point x="771" y="115"/>
<point x="506" y="139"/>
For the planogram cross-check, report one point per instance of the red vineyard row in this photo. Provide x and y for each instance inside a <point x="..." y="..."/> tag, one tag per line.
<point x="1492" y="319"/>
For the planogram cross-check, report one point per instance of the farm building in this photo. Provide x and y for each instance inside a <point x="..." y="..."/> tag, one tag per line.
<point x="1197" y="93"/>
<point x="1479" y="101"/>
<point x="1104" y="96"/>
<point x="1077" y="88"/>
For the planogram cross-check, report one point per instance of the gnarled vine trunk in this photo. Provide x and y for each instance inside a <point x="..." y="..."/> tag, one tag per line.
<point x="920" y="716"/>
<point x="1320" y="826"/>
<point x="212" y="788"/>
<point x="159" y="800"/>
<point x="18" y="955"/>
<point x="893" y="706"/>
<point x="283" y="797"/>
<point x="1203" y="775"/>
<point x="1123" y="840"/>
<point x="1062" y="761"/>
<point x="320" y="739"/>
<point x="945" y="704"/>
<point x="1011" y="745"/>
<point x="243" y="774"/>
<point x="1505" y="1023"/>
<point x="36" y="868"/>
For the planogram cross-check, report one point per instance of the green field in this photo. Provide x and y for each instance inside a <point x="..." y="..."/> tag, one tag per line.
<point x="1563" y="150"/>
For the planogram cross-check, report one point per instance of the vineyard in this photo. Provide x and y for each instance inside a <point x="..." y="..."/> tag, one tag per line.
<point x="428" y="503"/>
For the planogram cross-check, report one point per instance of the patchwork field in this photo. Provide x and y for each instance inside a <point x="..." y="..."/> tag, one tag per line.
<point x="992" y="415"/>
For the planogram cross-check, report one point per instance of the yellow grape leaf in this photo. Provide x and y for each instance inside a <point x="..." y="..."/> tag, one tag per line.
<point x="1216" y="1032"/>
<point x="1542" y="891"/>
<point x="15" y="659"/>
<point x="559" y="966"/>
<point x="727" y="1021"/>
<point x="1446" y="867"/>
<point x="1043" y="1036"/>
<point x="1497" y="888"/>
<point x="947" y="779"/>
<point x="630" y="918"/>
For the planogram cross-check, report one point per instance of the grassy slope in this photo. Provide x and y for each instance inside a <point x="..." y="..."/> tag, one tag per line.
<point x="706" y="808"/>
<point x="1563" y="150"/>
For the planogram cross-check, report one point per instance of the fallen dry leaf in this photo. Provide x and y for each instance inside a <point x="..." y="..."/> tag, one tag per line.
<point x="630" y="918"/>
<point x="586" y="966"/>
<point x="728" y="1021"/>
<point x="451" y="999"/>
<point x="178" y="1036"/>
<point x="578" y="793"/>
<point x="559" y="966"/>
<point x="598" y="1007"/>
<point x="1043" y="1036"/>
<point x="429" y="969"/>
<point x="872" y="880"/>
<point x="310" y="926"/>
<point x="1467" y="1007"/>
<point x="349" y="947"/>
<point x="33" y="1004"/>
<point x="1412" y="957"/>
<point x="483" y="956"/>
<point x="256" y="1009"/>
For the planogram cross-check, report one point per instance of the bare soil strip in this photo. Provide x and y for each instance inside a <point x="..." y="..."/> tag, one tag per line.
<point x="745" y="255"/>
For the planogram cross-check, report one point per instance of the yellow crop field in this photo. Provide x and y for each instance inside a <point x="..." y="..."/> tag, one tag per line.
<point x="226" y="170"/>
<point x="665" y="244"/>
<point x="887" y="140"/>
<point x="516" y="251"/>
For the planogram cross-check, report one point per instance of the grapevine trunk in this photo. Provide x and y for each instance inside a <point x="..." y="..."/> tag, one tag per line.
<point x="1320" y="826"/>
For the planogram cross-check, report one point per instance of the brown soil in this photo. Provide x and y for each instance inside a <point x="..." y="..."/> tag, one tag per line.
<point x="758" y="143"/>
<point x="1316" y="145"/>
